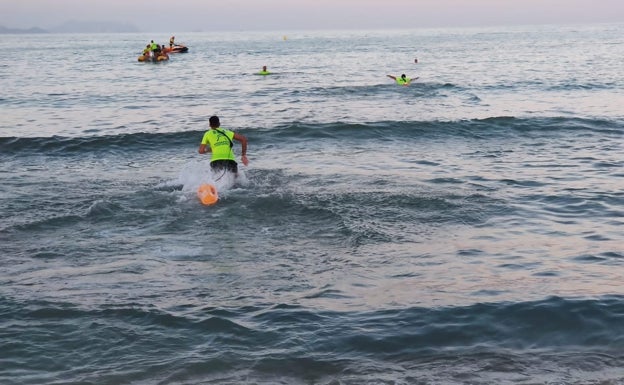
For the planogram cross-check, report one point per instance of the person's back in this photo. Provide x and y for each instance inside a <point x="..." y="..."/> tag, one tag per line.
<point x="402" y="80"/>
<point x="219" y="142"/>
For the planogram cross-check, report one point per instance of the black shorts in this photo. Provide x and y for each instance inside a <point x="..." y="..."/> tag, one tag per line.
<point x="224" y="165"/>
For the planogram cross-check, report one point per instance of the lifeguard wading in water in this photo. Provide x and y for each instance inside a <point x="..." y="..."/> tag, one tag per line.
<point x="218" y="141"/>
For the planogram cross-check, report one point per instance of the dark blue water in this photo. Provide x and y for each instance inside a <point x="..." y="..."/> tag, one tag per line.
<point x="466" y="229"/>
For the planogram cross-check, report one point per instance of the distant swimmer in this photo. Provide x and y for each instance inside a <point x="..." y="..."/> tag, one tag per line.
<point x="264" y="71"/>
<point x="218" y="141"/>
<point x="402" y="80"/>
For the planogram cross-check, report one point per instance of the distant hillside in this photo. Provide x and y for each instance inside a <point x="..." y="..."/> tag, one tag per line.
<point x="4" y="29"/>
<point x="93" y="27"/>
<point x="77" y="27"/>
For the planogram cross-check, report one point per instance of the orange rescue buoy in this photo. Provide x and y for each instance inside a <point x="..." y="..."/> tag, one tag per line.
<point x="207" y="194"/>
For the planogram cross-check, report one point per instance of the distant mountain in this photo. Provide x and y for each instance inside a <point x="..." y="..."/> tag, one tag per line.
<point x="21" y="30"/>
<point x="93" y="27"/>
<point x="77" y="27"/>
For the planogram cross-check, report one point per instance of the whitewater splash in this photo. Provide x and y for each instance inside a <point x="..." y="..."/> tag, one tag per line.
<point x="197" y="173"/>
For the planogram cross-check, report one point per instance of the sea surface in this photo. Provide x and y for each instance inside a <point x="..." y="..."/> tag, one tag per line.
<point x="466" y="229"/>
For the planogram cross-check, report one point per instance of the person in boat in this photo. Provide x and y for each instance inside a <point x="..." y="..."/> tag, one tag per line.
<point x="146" y="51"/>
<point x="219" y="142"/>
<point x="154" y="47"/>
<point x="401" y="80"/>
<point x="171" y="42"/>
<point x="163" y="51"/>
<point x="264" y="71"/>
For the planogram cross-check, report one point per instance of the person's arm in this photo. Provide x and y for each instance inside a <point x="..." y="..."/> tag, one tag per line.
<point x="204" y="148"/>
<point x="391" y="77"/>
<point x="243" y="140"/>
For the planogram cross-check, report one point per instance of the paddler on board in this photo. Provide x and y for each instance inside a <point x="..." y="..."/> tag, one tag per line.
<point x="402" y="80"/>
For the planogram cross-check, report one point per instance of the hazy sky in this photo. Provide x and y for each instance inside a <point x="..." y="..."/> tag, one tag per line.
<point x="211" y="15"/>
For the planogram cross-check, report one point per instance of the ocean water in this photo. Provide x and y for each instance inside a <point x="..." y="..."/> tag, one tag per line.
<point x="467" y="229"/>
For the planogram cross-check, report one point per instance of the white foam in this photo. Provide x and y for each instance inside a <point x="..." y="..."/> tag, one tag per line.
<point x="197" y="172"/>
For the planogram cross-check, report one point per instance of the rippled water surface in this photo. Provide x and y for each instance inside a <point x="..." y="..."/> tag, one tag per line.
<point x="466" y="229"/>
